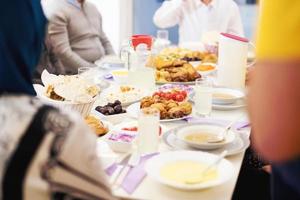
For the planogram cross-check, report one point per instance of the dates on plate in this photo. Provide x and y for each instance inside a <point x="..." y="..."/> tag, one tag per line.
<point x="111" y="108"/>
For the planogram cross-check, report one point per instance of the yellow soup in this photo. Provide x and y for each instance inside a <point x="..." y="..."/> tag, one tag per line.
<point x="223" y="96"/>
<point x="187" y="172"/>
<point x="200" y="137"/>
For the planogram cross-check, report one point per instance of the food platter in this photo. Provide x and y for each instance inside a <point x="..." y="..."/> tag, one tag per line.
<point x="133" y="111"/>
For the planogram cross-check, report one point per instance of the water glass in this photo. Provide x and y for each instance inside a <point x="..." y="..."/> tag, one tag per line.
<point x="203" y="96"/>
<point x="148" y="128"/>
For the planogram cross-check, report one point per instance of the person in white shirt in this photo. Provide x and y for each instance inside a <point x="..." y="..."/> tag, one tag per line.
<point x="196" y="17"/>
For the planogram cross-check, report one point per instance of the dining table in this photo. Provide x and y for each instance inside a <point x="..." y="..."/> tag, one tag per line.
<point x="151" y="190"/>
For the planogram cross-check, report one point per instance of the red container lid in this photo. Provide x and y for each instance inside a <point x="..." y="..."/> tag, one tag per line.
<point x="235" y="37"/>
<point x="139" y="39"/>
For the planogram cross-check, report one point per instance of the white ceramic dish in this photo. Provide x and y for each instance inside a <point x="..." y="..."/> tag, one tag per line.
<point x="213" y="130"/>
<point x="83" y="108"/>
<point x="233" y="95"/>
<point x="133" y="111"/>
<point x="114" y="119"/>
<point x="208" y="72"/>
<point x="237" y="105"/>
<point x="113" y="93"/>
<point x="154" y="165"/>
<point x="239" y="145"/>
<point x="120" y="146"/>
<point x="130" y="124"/>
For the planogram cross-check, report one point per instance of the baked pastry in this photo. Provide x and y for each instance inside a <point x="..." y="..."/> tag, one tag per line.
<point x="96" y="125"/>
<point x="169" y="109"/>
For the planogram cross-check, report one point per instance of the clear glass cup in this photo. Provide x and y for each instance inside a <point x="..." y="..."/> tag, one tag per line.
<point x="203" y="96"/>
<point x="148" y="128"/>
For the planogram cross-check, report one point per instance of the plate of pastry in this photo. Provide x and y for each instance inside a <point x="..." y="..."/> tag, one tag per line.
<point x="170" y="110"/>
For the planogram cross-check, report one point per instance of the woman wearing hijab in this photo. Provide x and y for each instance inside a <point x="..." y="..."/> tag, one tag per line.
<point x="45" y="153"/>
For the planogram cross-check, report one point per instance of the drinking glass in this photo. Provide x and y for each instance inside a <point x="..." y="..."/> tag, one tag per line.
<point x="148" y="128"/>
<point x="203" y="96"/>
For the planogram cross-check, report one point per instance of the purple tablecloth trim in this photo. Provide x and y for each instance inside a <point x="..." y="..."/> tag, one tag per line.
<point x="135" y="176"/>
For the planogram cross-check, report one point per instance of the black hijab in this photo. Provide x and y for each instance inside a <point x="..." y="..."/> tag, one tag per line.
<point x="22" y="30"/>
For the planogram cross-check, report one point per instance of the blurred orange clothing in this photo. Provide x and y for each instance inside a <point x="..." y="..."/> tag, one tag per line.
<point x="279" y="29"/>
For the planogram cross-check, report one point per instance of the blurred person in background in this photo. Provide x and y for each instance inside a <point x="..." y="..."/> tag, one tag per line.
<point x="274" y="95"/>
<point x="75" y="34"/>
<point x="45" y="153"/>
<point x="196" y="17"/>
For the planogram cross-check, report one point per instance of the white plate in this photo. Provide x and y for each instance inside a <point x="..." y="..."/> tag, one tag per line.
<point x="133" y="111"/>
<point x="154" y="165"/>
<point x="239" y="145"/>
<point x="224" y="107"/>
<point x="237" y="105"/>
<point x="182" y="132"/>
<point x="236" y="95"/>
<point x="122" y="125"/>
<point x="114" y="119"/>
<point x="115" y="91"/>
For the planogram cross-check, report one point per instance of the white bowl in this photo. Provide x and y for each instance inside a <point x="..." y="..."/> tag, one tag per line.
<point x="114" y="119"/>
<point x="155" y="164"/>
<point x="120" y="146"/>
<point x="120" y="78"/>
<point x="235" y="95"/>
<point x="82" y="108"/>
<point x="208" y="129"/>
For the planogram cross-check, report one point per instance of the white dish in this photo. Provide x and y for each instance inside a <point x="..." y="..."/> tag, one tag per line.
<point x="133" y="111"/>
<point x="208" y="72"/>
<point x="234" y="94"/>
<point x="237" y="105"/>
<point x="239" y="145"/>
<point x="114" y="119"/>
<point x="154" y="165"/>
<point x="114" y="93"/>
<point x="119" y="127"/>
<point x="119" y="145"/>
<point x="212" y="130"/>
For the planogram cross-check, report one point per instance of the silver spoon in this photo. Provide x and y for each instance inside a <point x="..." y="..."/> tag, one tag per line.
<point x="222" y="135"/>
<point x="208" y="168"/>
